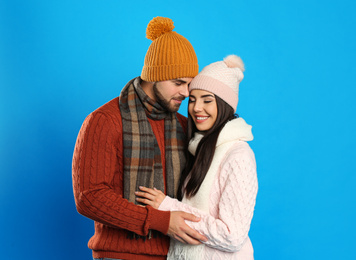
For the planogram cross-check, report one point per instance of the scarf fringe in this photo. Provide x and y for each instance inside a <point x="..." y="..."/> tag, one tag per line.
<point x="151" y="233"/>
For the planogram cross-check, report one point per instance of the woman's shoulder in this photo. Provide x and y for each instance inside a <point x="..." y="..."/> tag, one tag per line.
<point x="238" y="165"/>
<point x="240" y="153"/>
<point x="240" y="147"/>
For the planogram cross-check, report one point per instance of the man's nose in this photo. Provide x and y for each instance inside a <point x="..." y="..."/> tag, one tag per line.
<point x="184" y="91"/>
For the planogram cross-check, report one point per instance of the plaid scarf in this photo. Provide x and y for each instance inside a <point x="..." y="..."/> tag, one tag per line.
<point x="142" y="156"/>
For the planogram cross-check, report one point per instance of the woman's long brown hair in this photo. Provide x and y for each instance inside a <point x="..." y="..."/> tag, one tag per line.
<point x="197" y="167"/>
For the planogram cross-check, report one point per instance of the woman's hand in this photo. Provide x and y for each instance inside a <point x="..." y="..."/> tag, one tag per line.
<point x="152" y="197"/>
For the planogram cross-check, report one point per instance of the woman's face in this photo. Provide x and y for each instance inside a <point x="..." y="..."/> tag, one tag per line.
<point x="202" y="108"/>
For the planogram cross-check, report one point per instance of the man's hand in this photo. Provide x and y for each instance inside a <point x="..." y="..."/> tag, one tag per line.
<point x="152" y="197"/>
<point x="180" y="231"/>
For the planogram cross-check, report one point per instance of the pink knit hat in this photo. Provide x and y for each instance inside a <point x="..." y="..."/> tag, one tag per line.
<point x="221" y="78"/>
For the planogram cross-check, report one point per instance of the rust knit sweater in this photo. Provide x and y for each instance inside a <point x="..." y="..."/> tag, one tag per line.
<point x="98" y="189"/>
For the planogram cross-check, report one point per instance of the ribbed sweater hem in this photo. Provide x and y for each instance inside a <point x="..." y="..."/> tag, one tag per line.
<point x="130" y="256"/>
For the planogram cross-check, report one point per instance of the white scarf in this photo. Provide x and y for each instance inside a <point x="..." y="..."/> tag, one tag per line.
<point x="234" y="130"/>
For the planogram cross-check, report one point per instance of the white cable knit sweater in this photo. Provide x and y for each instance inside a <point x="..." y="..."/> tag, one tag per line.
<point x="225" y="201"/>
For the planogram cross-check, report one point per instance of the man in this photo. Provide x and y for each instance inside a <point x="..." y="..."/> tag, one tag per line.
<point x="138" y="139"/>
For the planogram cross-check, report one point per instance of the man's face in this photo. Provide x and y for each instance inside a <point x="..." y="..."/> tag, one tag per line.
<point x="170" y="93"/>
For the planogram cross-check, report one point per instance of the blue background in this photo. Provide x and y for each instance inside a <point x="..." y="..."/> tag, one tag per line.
<point x="60" y="60"/>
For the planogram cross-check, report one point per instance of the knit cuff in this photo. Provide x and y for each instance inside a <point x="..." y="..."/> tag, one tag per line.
<point x="166" y="204"/>
<point x="159" y="220"/>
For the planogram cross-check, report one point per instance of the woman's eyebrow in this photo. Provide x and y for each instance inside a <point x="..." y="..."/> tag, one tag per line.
<point x="208" y="95"/>
<point x="204" y="96"/>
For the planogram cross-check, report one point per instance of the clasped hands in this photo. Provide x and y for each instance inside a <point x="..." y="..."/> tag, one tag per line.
<point x="178" y="229"/>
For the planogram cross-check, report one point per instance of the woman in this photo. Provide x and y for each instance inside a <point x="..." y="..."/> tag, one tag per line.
<point x="219" y="183"/>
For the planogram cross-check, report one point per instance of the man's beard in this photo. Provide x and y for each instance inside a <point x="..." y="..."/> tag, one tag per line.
<point x="163" y="102"/>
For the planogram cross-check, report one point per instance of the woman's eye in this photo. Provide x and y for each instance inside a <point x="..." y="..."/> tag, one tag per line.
<point x="207" y="101"/>
<point x="191" y="100"/>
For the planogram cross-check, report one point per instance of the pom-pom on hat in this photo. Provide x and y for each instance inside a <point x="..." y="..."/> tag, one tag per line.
<point x="222" y="78"/>
<point x="170" y="55"/>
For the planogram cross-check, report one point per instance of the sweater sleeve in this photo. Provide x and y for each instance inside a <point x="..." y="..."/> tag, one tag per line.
<point x="98" y="179"/>
<point x="238" y="189"/>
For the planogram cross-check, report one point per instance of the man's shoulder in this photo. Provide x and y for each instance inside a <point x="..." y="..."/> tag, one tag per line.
<point x="109" y="112"/>
<point x="110" y="107"/>
<point x="182" y="120"/>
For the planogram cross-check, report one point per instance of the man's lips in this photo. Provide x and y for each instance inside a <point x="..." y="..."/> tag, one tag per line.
<point x="178" y="100"/>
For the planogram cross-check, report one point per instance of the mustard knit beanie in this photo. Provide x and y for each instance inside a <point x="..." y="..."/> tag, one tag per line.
<point x="170" y="55"/>
<point x="222" y="78"/>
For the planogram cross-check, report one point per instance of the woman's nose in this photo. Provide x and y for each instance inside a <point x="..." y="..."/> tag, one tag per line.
<point x="197" y="106"/>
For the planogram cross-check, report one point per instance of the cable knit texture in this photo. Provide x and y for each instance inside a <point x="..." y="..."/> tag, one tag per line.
<point x="231" y="188"/>
<point x="98" y="189"/>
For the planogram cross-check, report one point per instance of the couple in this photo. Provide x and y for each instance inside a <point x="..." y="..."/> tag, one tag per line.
<point x="132" y="159"/>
